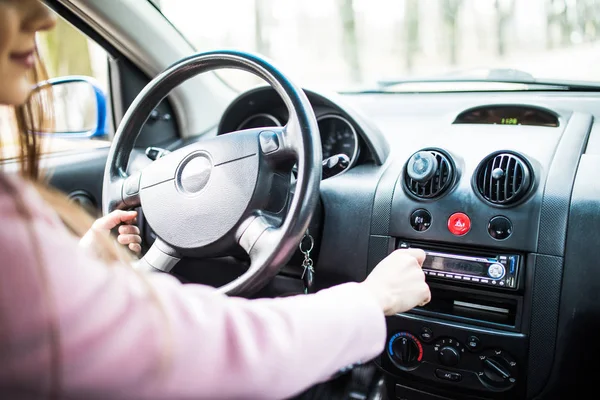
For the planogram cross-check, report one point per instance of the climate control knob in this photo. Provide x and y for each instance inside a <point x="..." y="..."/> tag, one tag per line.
<point x="449" y="356"/>
<point x="405" y="350"/>
<point x="498" y="369"/>
<point x="495" y="370"/>
<point x="449" y="351"/>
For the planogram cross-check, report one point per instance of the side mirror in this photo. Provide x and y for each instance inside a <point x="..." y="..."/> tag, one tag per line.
<point x="79" y="106"/>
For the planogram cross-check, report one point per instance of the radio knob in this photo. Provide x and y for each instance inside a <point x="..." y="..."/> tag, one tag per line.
<point x="496" y="271"/>
<point x="449" y="356"/>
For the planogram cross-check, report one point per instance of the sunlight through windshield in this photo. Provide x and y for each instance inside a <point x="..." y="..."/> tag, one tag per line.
<point x="339" y="44"/>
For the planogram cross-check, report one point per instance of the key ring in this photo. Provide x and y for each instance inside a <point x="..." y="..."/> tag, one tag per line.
<point x="312" y="243"/>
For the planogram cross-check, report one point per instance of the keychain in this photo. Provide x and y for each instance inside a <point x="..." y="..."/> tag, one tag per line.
<point x="308" y="274"/>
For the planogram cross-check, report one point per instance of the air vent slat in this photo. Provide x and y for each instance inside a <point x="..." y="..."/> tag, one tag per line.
<point x="486" y="177"/>
<point x="509" y="183"/>
<point x="503" y="178"/>
<point x="439" y="182"/>
<point x="497" y="181"/>
<point x="518" y="175"/>
<point x="432" y="182"/>
<point x="493" y="192"/>
<point x="504" y="182"/>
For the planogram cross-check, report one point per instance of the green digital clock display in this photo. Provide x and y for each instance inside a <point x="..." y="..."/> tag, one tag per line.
<point x="509" y="121"/>
<point x="510" y="115"/>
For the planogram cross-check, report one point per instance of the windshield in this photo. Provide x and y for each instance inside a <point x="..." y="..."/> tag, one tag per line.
<point x="345" y="44"/>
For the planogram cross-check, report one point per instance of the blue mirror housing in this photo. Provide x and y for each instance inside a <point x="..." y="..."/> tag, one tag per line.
<point x="80" y="107"/>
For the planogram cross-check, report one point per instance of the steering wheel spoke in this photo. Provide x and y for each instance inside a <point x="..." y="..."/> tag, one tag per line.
<point x="130" y="190"/>
<point x="159" y="258"/>
<point x="197" y="197"/>
<point x="123" y="192"/>
<point x="293" y="134"/>
<point x="254" y="233"/>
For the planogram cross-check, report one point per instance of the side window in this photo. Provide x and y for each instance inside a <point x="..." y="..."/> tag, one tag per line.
<point x="79" y="66"/>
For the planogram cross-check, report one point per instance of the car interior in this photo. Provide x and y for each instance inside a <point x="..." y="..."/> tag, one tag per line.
<point x="498" y="185"/>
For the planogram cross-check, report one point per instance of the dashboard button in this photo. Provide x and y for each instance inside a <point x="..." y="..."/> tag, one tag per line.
<point x="448" y="375"/>
<point x="426" y="334"/>
<point x="420" y="220"/>
<point x="473" y="342"/>
<point x="269" y="142"/>
<point x="510" y="282"/>
<point x="500" y="228"/>
<point x="459" y="224"/>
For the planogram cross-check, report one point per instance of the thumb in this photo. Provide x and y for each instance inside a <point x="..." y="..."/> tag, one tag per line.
<point x="115" y="218"/>
<point x="416" y="253"/>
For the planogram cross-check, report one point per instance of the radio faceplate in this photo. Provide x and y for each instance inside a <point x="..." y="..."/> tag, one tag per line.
<point x="499" y="270"/>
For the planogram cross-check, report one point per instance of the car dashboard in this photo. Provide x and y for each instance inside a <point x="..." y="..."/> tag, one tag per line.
<point x="500" y="189"/>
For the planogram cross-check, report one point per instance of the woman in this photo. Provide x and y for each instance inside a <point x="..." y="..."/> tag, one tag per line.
<point x="76" y="325"/>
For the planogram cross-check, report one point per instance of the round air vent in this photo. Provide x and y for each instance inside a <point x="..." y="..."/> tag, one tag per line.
<point x="428" y="173"/>
<point x="503" y="178"/>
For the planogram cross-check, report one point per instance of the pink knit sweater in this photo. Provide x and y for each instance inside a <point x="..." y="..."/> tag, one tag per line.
<point x="116" y="340"/>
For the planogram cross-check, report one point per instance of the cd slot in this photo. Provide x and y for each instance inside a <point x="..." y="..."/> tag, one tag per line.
<point x="473" y="307"/>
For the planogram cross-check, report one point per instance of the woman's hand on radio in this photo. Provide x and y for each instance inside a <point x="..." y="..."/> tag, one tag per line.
<point x="398" y="282"/>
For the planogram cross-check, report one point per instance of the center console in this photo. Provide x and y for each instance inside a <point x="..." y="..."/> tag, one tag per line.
<point x="469" y="338"/>
<point x="476" y="212"/>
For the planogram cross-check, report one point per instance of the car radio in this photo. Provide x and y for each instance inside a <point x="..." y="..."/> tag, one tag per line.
<point x="498" y="270"/>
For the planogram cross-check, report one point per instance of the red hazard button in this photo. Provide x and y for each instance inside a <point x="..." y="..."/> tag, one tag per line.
<point x="459" y="224"/>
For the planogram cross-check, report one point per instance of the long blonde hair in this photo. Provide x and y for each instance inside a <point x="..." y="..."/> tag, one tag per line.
<point x="37" y="115"/>
<point x="34" y="116"/>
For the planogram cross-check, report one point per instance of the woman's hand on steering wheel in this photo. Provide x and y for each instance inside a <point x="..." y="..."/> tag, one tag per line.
<point x="129" y="234"/>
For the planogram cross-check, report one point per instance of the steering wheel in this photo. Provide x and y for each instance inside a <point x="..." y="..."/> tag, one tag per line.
<point x="215" y="196"/>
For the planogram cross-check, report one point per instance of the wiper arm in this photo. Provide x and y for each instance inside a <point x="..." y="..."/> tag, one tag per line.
<point x="489" y="79"/>
<point x="501" y="75"/>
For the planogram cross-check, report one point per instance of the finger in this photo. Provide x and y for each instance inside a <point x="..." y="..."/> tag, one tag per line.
<point x="135" y="247"/>
<point x="427" y="297"/>
<point x="416" y="253"/>
<point x="127" y="239"/>
<point x="115" y="218"/>
<point x="132" y="221"/>
<point x="129" y="230"/>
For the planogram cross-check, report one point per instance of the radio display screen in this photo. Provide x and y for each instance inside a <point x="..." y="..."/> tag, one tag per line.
<point x="454" y="265"/>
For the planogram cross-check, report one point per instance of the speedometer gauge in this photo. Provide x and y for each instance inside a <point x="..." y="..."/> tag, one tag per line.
<point x="259" y="121"/>
<point x="338" y="136"/>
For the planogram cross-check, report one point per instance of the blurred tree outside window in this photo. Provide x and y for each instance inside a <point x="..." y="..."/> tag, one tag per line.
<point x="65" y="51"/>
<point x="347" y="44"/>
